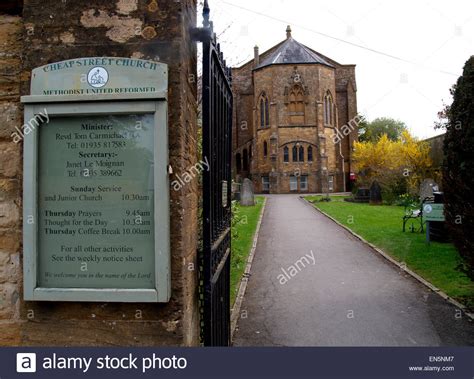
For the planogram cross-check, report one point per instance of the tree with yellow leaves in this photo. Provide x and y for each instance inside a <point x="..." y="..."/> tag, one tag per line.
<point x="399" y="166"/>
<point x="416" y="158"/>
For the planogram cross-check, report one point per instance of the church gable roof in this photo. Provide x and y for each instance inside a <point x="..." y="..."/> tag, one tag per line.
<point x="293" y="52"/>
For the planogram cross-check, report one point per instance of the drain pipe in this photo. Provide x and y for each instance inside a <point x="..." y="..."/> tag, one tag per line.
<point x="343" y="166"/>
<point x="340" y="154"/>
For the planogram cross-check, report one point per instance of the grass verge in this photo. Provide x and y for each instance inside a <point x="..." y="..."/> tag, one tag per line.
<point x="242" y="239"/>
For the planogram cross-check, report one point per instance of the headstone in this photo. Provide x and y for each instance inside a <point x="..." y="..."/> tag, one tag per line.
<point x="362" y="196"/>
<point x="375" y="193"/>
<point x="427" y="188"/>
<point x="246" y="194"/>
<point x="236" y="191"/>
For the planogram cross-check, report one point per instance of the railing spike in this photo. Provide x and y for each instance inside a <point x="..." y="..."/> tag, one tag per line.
<point x="206" y="11"/>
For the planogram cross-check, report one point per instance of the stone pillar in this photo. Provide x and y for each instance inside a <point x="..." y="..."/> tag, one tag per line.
<point x="11" y="29"/>
<point x="59" y="30"/>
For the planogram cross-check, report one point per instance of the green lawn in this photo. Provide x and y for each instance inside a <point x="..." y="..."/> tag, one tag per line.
<point x="242" y="239"/>
<point x="382" y="225"/>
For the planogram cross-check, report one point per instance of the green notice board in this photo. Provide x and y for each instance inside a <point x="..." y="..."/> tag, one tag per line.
<point x="96" y="202"/>
<point x="433" y="212"/>
<point x="96" y="219"/>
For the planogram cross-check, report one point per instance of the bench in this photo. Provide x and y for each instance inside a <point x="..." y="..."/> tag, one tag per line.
<point x="416" y="214"/>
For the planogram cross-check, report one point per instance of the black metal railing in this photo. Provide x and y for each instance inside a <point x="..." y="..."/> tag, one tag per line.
<point x="216" y="147"/>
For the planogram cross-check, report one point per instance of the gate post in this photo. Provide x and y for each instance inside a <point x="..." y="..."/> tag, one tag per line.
<point x="57" y="31"/>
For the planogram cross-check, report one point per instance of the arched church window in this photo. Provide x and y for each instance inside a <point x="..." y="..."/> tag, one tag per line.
<point x="286" y="154"/>
<point x="310" y="153"/>
<point x="267" y="113"/>
<point x="265" y="149"/>
<point x="301" y="154"/>
<point x="238" y="162"/>
<point x="245" y="160"/>
<point x="264" y="111"/>
<point x="328" y="109"/>
<point x="296" y="106"/>
<point x="295" y="154"/>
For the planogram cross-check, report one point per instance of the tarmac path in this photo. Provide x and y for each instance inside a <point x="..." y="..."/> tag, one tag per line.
<point x="314" y="284"/>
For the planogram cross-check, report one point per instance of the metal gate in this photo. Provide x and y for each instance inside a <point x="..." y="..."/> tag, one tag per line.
<point x="217" y="148"/>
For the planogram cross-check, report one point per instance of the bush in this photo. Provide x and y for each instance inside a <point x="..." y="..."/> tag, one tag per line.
<point x="458" y="167"/>
<point x="408" y="201"/>
<point x="399" y="166"/>
<point x="392" y="190"/>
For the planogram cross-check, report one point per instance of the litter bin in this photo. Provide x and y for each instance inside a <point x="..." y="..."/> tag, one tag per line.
<point x="436" y="225"/>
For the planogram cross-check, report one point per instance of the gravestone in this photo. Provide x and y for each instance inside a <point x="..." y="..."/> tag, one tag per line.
<point x="375" y="193"/>
<point x="427" y="188"/>
<point x="236" y="191"/>
<point x="246" y="194"/>
<point x="362" y="196"/>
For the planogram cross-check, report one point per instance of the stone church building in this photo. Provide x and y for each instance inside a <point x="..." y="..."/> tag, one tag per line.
<point x="295" y="113"/>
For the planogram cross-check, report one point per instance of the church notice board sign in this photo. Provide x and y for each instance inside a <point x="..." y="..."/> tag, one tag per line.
<point x="96" y="192"/>
<point x="433" y="212"/>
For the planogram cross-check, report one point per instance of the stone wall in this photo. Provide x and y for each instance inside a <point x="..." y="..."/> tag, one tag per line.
<point x="11" y="29"/>
<point x="437" y="150"/>
<point x="347" y="111"/>
<point x="52" y="30"/>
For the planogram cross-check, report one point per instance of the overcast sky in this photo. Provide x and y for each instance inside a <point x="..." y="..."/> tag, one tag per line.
<point x="408" y="53"/>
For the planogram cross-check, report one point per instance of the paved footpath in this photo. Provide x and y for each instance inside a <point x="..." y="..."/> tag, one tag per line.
<point x="349" y="296"/>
